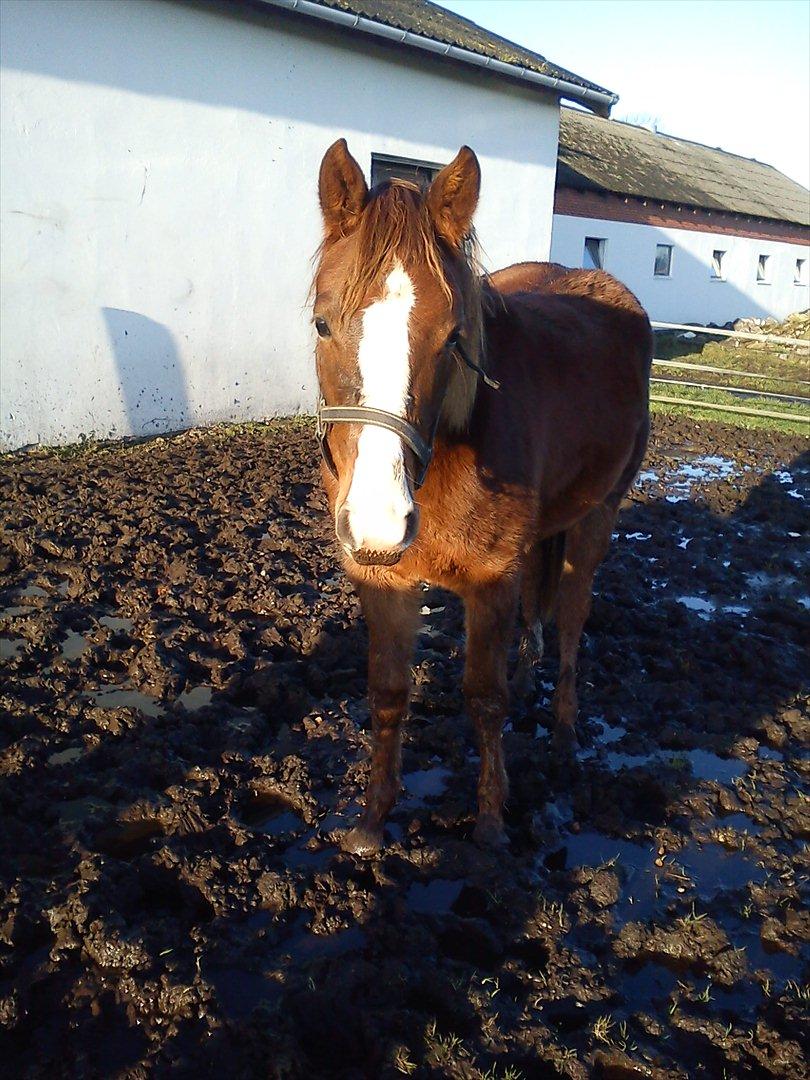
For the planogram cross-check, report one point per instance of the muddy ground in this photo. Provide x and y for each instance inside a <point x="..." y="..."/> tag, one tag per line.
<point x="185" y="736"/>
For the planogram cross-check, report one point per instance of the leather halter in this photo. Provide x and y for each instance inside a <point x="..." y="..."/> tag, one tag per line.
<point x="364" y="414"/>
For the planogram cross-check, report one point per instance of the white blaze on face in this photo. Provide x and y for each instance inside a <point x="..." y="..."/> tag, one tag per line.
<point x="379" y="499"/>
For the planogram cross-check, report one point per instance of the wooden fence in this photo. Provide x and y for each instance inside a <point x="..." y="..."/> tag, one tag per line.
<point x="767" y="396"/>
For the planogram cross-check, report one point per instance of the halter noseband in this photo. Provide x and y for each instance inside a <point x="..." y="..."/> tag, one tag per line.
<point x="364" y="414"/>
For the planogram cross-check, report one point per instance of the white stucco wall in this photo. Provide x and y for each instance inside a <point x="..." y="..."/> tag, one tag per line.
<point x="690" y="294"/>
<point x="159" y="202"/>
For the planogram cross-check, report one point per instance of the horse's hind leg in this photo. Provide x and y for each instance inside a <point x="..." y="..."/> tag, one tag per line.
<point x="530" y="647"/>
<point x="586" y="545"/>
<point x="491" y="611"/>
<point x="392" y="619"/>
<point x="541" y="575"/>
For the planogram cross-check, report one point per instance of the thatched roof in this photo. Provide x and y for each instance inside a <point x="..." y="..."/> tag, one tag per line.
<point x="607" y="155"/>
<point x="431" y="21"/>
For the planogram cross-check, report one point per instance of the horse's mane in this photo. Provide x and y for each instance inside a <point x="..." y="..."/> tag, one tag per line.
<point x="396" y="225"/>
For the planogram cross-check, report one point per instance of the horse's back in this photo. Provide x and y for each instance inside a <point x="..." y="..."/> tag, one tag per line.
<point x="564" y="309"/>
<point x="545" y="280"/>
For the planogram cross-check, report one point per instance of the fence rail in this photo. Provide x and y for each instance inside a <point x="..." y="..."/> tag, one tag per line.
<point x="774" y="339"/>
<point x="695" y="402"/>
<point x="730" y="371"/>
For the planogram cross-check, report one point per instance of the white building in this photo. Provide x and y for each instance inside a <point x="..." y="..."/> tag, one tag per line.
<point x="698" y="234"/>
<point x="159" y="207"/>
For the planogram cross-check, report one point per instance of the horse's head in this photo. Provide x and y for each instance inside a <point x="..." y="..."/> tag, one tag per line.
<point x="394" y="292"/>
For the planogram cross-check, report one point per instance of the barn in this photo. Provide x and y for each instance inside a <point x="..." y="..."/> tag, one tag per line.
<point x="159" y="196"/>
<point x="700" y="235"/>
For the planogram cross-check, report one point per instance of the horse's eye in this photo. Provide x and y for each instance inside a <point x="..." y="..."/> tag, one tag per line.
<point x="322" y="326"/>
<point x="452" y="340"/>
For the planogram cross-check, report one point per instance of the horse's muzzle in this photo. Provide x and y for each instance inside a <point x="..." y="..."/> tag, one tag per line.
<point x="366" y="555"/>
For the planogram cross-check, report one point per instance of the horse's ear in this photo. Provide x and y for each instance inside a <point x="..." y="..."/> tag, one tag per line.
<point x="342" y="190"/>
<point x="453" y="197"/>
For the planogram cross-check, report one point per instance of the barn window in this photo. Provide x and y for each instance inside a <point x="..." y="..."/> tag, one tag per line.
<point x="764" y="269"/>
<point x="593" y="257"/>
<point x="663" y="260"/>
<point x="800" y="276"/>
<point x="384" y="167"/>
<point x="717" y="265"/>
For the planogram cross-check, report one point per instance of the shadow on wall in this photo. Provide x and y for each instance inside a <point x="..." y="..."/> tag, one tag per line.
<point x="150" y="373"/>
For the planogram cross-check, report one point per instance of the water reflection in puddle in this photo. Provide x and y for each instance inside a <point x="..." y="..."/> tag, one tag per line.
<point x="705" y="607"/>
<point x="116" y="697"/>
<point x="640" y="886"/>
<point x="781" y="965"/>
<point x="709" y="867"/>
<point x="703" y="764"/>
<point x="32" y="590"/>
<point x="300" y="856"/>
<point x="424" y="783"/>
<point x="740" y="823"/>
<point x="115" y="624"/>
<point x="610" y="733"/>
<point x="707" y="468"/>
<point x="271" y="813"/>
<point x="713" y="869"/>
<point x="198" y="697"/>
<point x="73" y="646"/>
<point x="64" y="757"/>
<point x="10" y="648"/>
<point x="434" y="898"/>
<point x="239" y="990"/>
<point x="649" y="983"/>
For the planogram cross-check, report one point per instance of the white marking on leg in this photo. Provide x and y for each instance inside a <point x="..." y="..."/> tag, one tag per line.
<point x="379" y="499"/>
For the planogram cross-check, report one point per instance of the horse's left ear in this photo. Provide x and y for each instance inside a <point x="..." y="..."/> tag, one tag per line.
<point x="453" y="197"/>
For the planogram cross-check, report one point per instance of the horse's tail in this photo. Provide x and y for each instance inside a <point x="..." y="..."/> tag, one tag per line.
<point x="552" y="553"/>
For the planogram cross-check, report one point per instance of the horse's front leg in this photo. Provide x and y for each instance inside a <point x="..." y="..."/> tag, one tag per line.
<point x="491" y="615"/>
<point x="392" y="618"/>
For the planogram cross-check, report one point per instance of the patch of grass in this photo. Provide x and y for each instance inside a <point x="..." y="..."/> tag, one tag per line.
<point x="509" y="1073"/>
<point x="403" y="1063"/>
<point x="602" y="1027"/>
<point x="699" y="409"/>
<point x="799" y="991"/>
<point x="692" y="917"/>
<point x="443" y="1049"/>
<point x="788" y="365"/>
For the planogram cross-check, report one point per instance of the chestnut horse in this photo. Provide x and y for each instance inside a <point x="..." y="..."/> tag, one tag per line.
<point x="479" y="434"/>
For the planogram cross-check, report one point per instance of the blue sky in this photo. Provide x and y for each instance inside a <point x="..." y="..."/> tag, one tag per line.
<point x="728" y="73"/>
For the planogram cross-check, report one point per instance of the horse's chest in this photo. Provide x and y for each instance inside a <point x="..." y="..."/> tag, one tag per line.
<point x="454" y="550"/>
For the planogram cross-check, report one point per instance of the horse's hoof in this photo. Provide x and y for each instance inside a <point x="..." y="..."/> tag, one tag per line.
<point x="489" y="832"/>
<point x="362" y="841"/>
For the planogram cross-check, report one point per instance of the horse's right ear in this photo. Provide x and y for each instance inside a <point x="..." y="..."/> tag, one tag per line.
<point x="342" y="191"/>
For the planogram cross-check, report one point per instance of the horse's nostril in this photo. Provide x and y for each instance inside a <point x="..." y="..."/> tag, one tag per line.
<point x="343" y="528"/>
